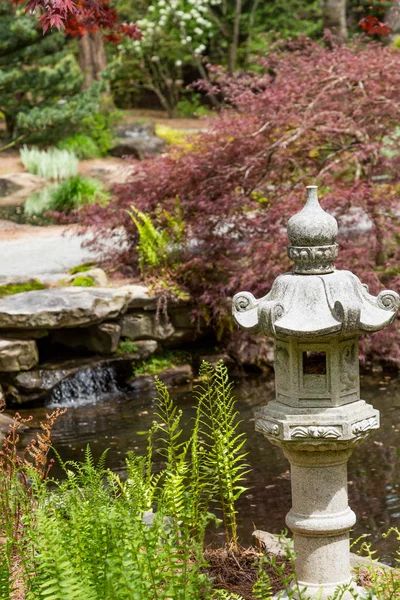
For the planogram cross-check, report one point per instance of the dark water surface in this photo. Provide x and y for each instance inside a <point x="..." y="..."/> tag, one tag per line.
<point x="117" y="421"/>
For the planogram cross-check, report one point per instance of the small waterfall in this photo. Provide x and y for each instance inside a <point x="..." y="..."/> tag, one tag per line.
<point x="85" y="387"/>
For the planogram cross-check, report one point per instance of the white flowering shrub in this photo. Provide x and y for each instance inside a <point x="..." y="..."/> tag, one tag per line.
<point x="175" y="33"/>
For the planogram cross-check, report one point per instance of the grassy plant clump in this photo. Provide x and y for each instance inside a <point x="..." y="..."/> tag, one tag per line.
<point x="160" y="362"/>
<point x="51" y="164"/>
<point x="126" y="347"/>
<point x="82" y="268"/>
<point x="19" y="288"/>
<point x="83" y="146"/>
<point x="69" y="195"/>
<point x="83" y="281"/>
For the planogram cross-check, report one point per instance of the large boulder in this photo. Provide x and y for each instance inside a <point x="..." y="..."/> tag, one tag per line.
<point x="142" y="325"/>
<point x="138" y="140"/>
<point x="139" y="297"/>
<point x="62" y="307"/>
<point x="16" y="187"/>
<point x="102" y="338"/>
<point x="17" y="355"/>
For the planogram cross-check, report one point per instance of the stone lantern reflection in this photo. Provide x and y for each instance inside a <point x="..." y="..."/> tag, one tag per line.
<point x="316" y="314"/>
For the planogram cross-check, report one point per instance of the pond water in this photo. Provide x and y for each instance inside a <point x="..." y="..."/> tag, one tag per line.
<point x="117" y="421"/>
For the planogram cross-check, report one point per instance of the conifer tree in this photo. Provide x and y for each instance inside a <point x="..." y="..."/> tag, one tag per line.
<point x="40" y="79"/>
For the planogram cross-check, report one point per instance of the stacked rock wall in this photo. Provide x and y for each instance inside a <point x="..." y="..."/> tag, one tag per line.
<point x="48" y="335"/>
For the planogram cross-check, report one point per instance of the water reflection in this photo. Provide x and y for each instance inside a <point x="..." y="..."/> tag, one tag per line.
<point x="118" y="423"/>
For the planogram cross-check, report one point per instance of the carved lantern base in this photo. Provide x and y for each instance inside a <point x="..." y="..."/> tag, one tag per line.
<point x="318" y="447"/>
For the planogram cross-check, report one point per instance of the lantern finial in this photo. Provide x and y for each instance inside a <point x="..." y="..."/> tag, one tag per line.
<point x="312" y="233"/>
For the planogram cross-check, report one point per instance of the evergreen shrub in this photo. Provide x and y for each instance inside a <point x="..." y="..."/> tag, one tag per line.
<point x="82" y="146"/>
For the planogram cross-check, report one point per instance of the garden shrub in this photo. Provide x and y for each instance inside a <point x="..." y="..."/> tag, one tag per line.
<point x="81" y="145"/>
<point x="315" y="115"/>
<point x="50" y="164"/>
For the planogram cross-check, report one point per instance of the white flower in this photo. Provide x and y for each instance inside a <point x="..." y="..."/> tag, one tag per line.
<point x="198" y="31"/>
<point x="155" y="58"/>
<point x="178" y="63"/>
<point x="188" y="38"/>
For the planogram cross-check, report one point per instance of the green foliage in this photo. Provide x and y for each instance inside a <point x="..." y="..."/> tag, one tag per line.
<point x="69" y="195"/>
<point x="81" y="145"/>
<point x="385" y="582"/>
<point x="126" y="347"/>
<point x="83" y="281"/>
<point x="173" y="137"/>
<point x="153" y="243"/>
<point x="98" y="127"/>
<point x="190" y="106"/>
<point x="224" y="460"/>
<point x="40" y="79"/>
<point x="159" y="362"/>
<point x="156" y="245"/>
<point x="50" y="164"/>
<point x="18" y="288"/>
<point x="95" y="536"/>
<point x="82" y="268"/>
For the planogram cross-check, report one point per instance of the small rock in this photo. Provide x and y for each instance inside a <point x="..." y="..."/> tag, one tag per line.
<point x="98" y="276"/>
<point x="173" y="377"/>
<point x="17" y="355"/>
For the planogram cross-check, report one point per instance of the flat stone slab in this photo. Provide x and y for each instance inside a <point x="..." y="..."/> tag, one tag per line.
<point x="62" y="307"/>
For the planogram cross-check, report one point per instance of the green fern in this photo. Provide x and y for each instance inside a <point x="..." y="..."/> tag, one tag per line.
<point x="224" y="459"/>
<point x="153" y="244"/>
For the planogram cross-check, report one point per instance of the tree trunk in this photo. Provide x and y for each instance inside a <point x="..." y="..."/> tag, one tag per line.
<point x="392" y="18"/>
<point x="10" y="124"/>
<point x="92" y="57"/>
<point x="235" y="36"/>
<point x="334" y="16"/>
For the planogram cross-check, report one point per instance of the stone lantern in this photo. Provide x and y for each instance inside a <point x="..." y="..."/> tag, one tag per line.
<point x="316" y="314"/>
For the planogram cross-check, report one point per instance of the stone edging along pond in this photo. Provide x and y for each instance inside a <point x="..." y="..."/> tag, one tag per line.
<point x="49" y="335"/>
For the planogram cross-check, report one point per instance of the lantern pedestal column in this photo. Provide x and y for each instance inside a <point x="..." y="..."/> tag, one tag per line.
<point x="318" y="445"/>
<point x="320" y="517"/>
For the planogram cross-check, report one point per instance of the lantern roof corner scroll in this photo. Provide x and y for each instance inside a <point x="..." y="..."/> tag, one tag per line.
<point x="315" y="299"/>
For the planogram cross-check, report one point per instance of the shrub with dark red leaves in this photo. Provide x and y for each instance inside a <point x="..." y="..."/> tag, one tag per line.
<point x="316" y="115"/>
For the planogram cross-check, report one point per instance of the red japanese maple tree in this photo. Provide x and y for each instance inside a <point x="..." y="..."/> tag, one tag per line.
<point x="78" y="16"/>
<point x="316" y="115"/>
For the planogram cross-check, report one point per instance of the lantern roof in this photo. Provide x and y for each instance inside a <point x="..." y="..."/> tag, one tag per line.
<point x="315" y="299"/>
